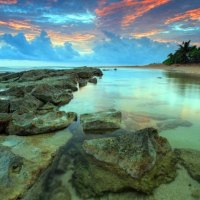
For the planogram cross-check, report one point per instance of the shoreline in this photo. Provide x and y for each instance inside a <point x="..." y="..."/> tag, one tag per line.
<point x="189" y="69"/>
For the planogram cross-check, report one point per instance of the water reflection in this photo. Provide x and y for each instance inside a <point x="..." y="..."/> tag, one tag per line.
<point x="185" y="83"/>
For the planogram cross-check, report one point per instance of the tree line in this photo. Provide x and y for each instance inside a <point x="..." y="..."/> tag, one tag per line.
<point x="185" y="54"/>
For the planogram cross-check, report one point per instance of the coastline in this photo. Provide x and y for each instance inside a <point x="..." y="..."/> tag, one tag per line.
<point x="188" y="69"/>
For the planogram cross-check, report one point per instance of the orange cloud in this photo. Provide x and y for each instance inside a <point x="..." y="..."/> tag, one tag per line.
<point x="146" y="34"/>
<point x="19" y="25"/>
<point x="138" y="8"/>
<point x="8" y="1"/>
<point x="189" y="15"/>
<point x="142" y="8"/>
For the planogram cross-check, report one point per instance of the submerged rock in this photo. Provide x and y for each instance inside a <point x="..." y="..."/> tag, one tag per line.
<point x="190" y="159"/>
<point x="140" y="161"/>
<point x="48" y="93"/>
<point x="101" y="121"/>
<point x="173" y="123"/>
<point x="32" y="124"/>
<point x="24" y="159"/>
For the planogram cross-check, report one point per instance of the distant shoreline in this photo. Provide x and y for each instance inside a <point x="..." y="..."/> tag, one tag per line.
<point x="190" y="69"/>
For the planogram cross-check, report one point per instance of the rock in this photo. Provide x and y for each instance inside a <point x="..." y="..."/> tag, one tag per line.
<point x="4" y="105"/>
<point x="48" y="93"/>
<point x="10" y="165"/>
<point x="190" y="159"/>
<point x="32" y="124"/>
<point x="4" y="121"/>
<point x="140" y="161"/>
<point x="93" y="80"/>
<point x="23" y="160"/>
<point x="25" y="104"/>
<point x="17" y="91"/>
<point x="82" y="83"/>
<point x="101" y="121"/>
<point x="173" y="123"/>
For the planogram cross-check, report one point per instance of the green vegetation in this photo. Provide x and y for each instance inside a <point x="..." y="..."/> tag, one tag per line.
<point x="184" y="55"/>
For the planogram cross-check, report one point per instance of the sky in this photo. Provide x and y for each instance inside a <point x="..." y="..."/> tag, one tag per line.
<point x="96" y="32"/>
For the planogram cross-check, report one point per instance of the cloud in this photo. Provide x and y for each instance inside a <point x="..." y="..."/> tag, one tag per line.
<point x="40" y="48"/>
<point x="131" y="51"/>
<point x="193" y="15"/>
<point x="8" y="1"/>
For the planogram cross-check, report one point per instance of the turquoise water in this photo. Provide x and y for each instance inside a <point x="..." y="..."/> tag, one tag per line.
<point x="145" y="97"/>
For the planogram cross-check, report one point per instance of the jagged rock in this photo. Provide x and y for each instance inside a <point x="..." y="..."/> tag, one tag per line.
<point x="48" y="93"/>
<point x="5" y="118"/>
<point x="25" y="104"/>
<point x="173" y="123"/>
<point x="32" y="124"/>
<point x="190" y="159"/>
<point x="4" y="105"/>
<point x="82" y="83"/>
<point x="93" y="80"/>
<point x="101" y="121"/>
<point x="140" y="161"/>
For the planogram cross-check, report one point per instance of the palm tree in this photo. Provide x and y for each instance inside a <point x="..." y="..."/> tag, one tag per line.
<point x="183" y="51"/>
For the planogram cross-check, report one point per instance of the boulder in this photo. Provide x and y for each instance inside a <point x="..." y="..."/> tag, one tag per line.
<point x="48" y="93"/>
<point x="101" y="121"/>
<point x="33" y="124"/>
<point x="139" y="161"/>
<point x="5" y="118"/>
<point x="190" y="159"/>
<point x="82" y="83"/>
<point x="93" y="80"/>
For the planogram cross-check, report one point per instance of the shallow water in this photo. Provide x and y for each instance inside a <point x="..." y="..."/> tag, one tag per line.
<point x="146" y="96"/>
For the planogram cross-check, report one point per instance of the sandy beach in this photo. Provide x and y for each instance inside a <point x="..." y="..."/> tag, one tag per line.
<point x="190" y="69"/>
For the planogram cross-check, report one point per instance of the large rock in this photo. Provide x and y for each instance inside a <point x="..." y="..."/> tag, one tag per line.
<point x="190" y="159"/>
<point x="140" y="161"/>
<point x="93" y="80"/>
<point x="82" y="83"/>
<point x="32" y="124"/>
<point x="101" y="121"/>
<point x="5" y="118"/>
<point x="25" y="104"/>
<point x="48" y="93"/>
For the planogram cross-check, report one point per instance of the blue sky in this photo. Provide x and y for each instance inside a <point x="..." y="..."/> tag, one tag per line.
<point x="91" y="32"/>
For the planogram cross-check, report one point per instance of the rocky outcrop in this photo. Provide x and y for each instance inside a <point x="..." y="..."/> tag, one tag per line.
<point x="93" y="80"/>
<point x="140" y="161"/>
<point x="25" y="104"/>
<point x="47" y="93"/>
<point x="33" y="124"/>
<point x="101" y="121"/>
<point x="4" y="105"/>
<point x="190" y="159"/>
<point x="82" y="83"/>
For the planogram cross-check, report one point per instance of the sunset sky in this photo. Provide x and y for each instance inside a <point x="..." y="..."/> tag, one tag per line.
<point x="96" y="31"/>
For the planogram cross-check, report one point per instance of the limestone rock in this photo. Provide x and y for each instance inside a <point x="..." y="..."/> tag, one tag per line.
<point x="32" y="124"/>
<point x="48" y="93"/>
<point x="140" y="161"/>
<point x="101" y="121"/>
